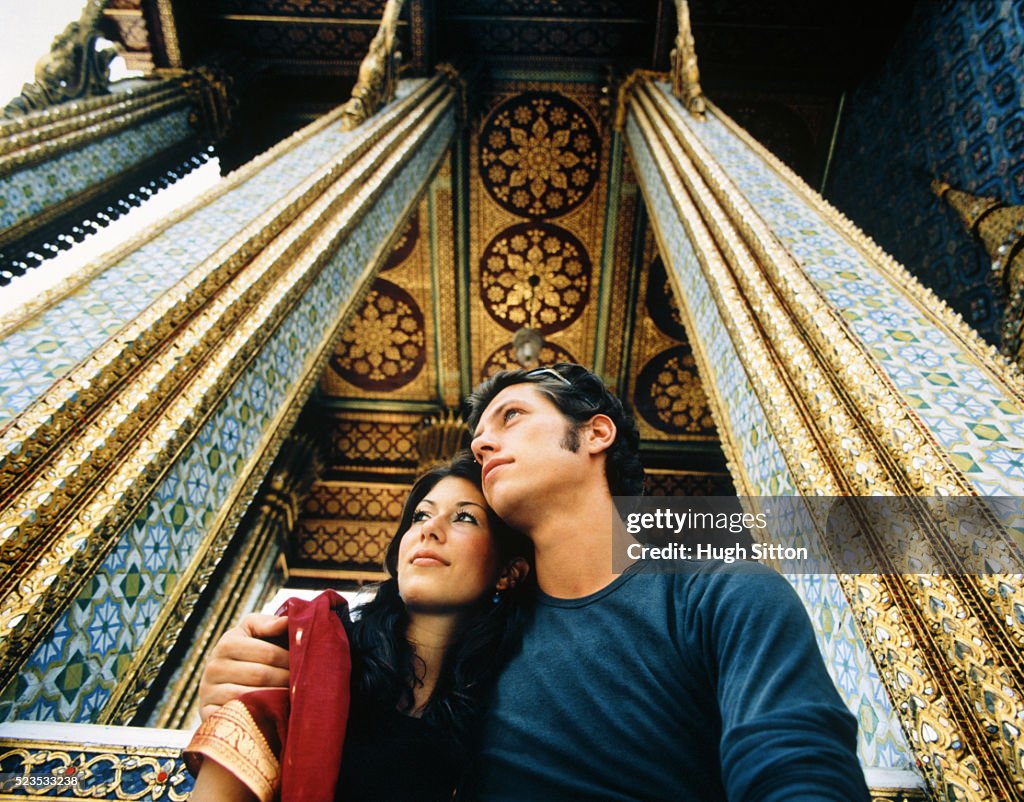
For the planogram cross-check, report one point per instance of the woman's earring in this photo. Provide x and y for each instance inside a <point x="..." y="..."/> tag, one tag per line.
<point x="496" y="598"/>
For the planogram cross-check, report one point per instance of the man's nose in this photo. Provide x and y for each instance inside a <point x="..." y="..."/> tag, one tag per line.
<point x="481" y="445"/>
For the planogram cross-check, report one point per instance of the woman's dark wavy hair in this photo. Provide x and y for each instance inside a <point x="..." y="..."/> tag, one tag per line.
<point x="579" y="396"/>
<point x="384" y="664"/>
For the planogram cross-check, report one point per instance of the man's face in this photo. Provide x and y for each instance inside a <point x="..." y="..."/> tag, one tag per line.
<point x="524" y="445"/>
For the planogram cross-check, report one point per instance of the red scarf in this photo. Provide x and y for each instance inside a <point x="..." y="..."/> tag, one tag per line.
<point x="289" y="748"/>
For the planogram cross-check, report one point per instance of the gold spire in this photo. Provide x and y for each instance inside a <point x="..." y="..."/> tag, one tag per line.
<point x="378" y="72"/>
<point x="685" y="74"/>
<point x="1000" y="228"/>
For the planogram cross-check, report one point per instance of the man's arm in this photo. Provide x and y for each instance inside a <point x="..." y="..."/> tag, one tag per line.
<point x="244" y="660"/>
<point x="786" y="734"/>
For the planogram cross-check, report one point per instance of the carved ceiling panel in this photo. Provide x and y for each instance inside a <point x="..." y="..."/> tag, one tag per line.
<point x="297" y="39"/>
<point x="536" y="211"/>
<point x="334" y="9"/>
<point x="346" y="526"/>
<point x="566" y="34"/>
<point x="666" y="391"/>
<point x="388" y="351"/>
<point x="123" y="22"/>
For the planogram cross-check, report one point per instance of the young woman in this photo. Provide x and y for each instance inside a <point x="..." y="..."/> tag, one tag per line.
<point x="423" y="654"/>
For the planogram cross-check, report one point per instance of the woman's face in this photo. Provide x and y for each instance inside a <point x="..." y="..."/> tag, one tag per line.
<point x="447" y="559"/>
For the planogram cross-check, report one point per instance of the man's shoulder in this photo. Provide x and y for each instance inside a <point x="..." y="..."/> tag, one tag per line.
<point x="739" y="576"/>
<point x="712" y="589"/>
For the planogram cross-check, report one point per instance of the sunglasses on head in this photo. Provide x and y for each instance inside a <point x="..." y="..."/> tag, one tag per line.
<point x="548" y="372"/>
<point x="545" y="372"/>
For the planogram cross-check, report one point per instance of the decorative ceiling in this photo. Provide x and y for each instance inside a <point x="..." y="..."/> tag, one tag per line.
<point x="536" y="218"/>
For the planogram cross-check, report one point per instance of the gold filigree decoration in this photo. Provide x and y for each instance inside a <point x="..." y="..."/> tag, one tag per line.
<point x="364" y="502"/>
<point x="536" y="275"/>
<point x="405" y="243"/>
<point x="539" y="155"/>
<point x="440" y="437"/>
<point x="504" y="358"/>
<point x="385" y="346"/>
<point x="102" y="771"/>
<point x="685" y="74"/>
<point x="73" y="68"/>
<point x="211" y="88"/>
<point x="378" y="72"/>
<point x="687" y="483"/>
<point x="369" y="443"/>
<point x="669" y="393"/>
<point x="233" y="739"/>
<point x="350" y="543"/>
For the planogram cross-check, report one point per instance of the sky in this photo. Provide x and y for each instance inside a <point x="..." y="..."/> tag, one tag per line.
<point x="21" y="45"/>
<point x="27" y="33"/>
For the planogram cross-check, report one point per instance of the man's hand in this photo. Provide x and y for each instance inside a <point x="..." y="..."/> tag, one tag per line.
<point x="242" y="661"/>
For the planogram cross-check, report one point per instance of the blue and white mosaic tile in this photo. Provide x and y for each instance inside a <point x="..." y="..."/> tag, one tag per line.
<point x="950" y="101"/>
<point x="26" y="193"/>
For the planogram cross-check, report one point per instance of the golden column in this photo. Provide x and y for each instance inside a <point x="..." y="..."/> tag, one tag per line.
<point x="832" y="372"/>
<point x="157" y="422"/>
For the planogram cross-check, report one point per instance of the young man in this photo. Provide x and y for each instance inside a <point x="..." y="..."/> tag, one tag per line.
<point x="701" y="685"/>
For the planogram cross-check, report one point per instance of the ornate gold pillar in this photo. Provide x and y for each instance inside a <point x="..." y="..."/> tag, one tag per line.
<point x="832" y="372"/>
<point x="144" y="401"/>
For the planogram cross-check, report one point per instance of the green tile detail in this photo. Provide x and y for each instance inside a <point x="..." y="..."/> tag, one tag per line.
<point x="132" y="585"/>
<point x="917" y="402"/>
<point x="964" y="463"/>
<point x="826" y="621"/>
<point x="940" y="379"/>
<point x="867" y="717"/>
<point x="986" y="431"/>
<point x="88" y="593"/>
<point x="74" y="675"/>
<point x="124" y="660"/>
<point x="179" y="514"/>
<point x="1008" y="407"/>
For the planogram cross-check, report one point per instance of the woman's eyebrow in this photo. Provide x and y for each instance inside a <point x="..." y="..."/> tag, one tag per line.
<point x="471" y="504"/>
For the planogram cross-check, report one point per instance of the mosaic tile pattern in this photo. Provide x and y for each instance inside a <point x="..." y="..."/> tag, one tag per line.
<point x="881" y="742"/>
<point x="72" y="674"/>
<point x="27" y="192"/>
<point x="950" y="102"/>
<point x="938" y="378"/>
<point x="53" y="342"/>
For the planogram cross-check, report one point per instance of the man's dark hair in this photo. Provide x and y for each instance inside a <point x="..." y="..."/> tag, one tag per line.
<point x="579" y="395"/>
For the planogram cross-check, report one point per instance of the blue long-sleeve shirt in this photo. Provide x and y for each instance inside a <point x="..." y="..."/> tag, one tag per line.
<point x="706" y="685"/>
